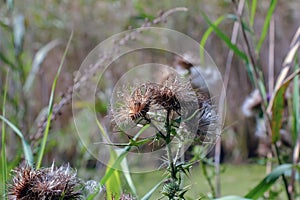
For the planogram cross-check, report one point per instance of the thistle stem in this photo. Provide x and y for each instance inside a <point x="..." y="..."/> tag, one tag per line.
<point x="171" y="163"/>
<point x="169" y="150"/>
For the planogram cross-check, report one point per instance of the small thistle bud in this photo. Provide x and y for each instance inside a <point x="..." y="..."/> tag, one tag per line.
<point x="48" y="183"/>
<point x="170" y="188"/>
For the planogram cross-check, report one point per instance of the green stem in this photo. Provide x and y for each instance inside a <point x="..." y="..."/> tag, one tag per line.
<point x="50" y="106"/>
<point x="171" y="163"/>
<point x="3" y="150"/>
<point x="208" y="179"/>
<point x="169" y="150"/>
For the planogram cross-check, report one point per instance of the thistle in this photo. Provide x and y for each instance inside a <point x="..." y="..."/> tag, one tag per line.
<point x="174" y="110"/>
<point x="48" y="183"/>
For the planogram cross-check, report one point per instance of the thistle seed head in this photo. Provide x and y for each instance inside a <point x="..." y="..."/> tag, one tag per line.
<point x="191" y="112"/>
<point x="48" y="183"/>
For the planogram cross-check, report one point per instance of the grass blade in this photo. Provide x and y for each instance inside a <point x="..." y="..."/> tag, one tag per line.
<point x="3" y="150"/>
<point x="296" y="108"/>
<point x="128" y="177"/>
<point x="50" y="106"/>
<point x="253" y="11"/>
<point x="223" y="37"/>
<point x="278" y="107"/>
<point x="123" y="163"/>
<point x="121" y="157"/>
<point x="26" y="147"/>
<point x="206" y="35"/>
<point x="268" y="181"/>
<point x="5" y="60"/>
<point x="117" y="162"/>
<point x="277" y="112"/>
<point x="287" y="63"/>
<point x="18" y="33"/>
<point x="149" y="194"/>
<point x="266" y="25"/>
<point x="113" y="183"/>
<point x="37" y="61"/>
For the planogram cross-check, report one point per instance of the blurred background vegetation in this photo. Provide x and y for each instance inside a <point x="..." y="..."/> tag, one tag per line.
<point x="34" y="33"/>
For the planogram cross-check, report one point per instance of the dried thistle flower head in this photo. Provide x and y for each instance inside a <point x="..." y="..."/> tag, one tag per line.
<point x="140" y="101"/>
<point x="148" y="98"/>
<point x="48" y="183"/>
<point x="190" y="112"/>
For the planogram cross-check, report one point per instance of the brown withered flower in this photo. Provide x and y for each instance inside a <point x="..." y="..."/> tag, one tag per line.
<point x="189" y="111"/>
<point x="140" y="101"/>
<point x="48" y="183"/>
<point x="145" y="99"/>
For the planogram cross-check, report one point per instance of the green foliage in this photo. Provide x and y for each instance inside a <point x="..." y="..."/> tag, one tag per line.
<point x="274" y="109"/>
<point x="18" y="33"/>
<point x="3" y="140"/>
<point x="268" y="181"/>
<point x="225" y="38"/>
<point x="206" y="36"/>
<point x="150" y="193"/>
<point x="116" y="163"/>
<point x="113" y="184"/>
<point x="50" y="106"/>
<point x="253" y="11"/>
<point x="36" y="64"/>
<point x="26" y="147"/>
<point x="296" y="107"/>
<point x="266" y="25"/>
<point x="278" y="108"/>
<point x="23" y="72"/>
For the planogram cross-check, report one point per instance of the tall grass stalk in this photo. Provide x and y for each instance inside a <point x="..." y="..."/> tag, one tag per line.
<point x="50" y="106"/>
<point x="3" y="150"/>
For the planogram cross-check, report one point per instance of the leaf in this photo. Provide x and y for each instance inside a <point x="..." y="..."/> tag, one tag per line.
<point x="235" y="18"/>
<point x="117" y="161"/>
<point x="113" y="183"/>
<point x="266" y="25"/>
<point x="206" y="35"/>
<point x="122" y="155"/>
<point x="253" y="11"/>
<point x="3" y="138"/>
<point x="26" y="147"/>
<point x="150" y="193"/>
<point x="277" y="111"/>
<point x="296" y="108"/>
<point x="37" y="61"/>
<point x="18" y="33"/>
<point x="127" y="175"/>
<point x="7" y="61"/>
<point x="286" y="66"/>
<point x="268" y="181"/>
<point x="278" y="107"/>
<point x="50" y="105"/>
<point x="223" y="37"/>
